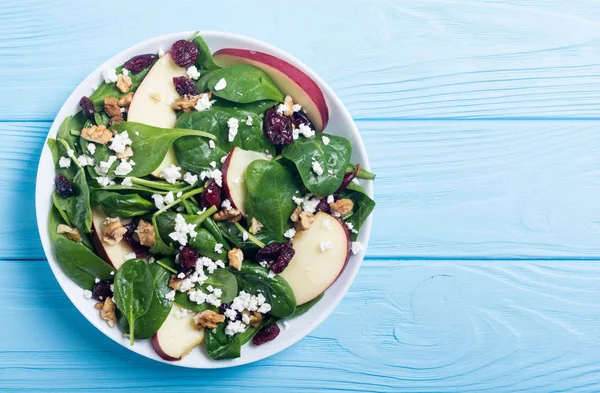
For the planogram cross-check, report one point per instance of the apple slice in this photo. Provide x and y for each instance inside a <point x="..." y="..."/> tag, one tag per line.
<point x="152" y="101"/>
<point x="113" y="254"/>
<point x="177" y="336"/>
<point x="322" y="251"/>
<point x="286" y="76"/>
<point x="234" y="175"/>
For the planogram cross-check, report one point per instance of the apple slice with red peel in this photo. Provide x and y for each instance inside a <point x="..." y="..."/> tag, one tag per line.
<point x="322" y="251"/>
<point x="177" y="336"/>
<point x="289" y="78"/>
<point x="152" y="101"/>
<point x="234" y="175"/>
<point x="113" y="254"/>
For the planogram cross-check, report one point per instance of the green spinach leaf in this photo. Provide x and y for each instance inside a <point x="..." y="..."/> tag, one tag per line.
<point x="363" y="206"/>
<point x="114" y="204"/>
<point x="79" y="208"/>
<point x="332" y="157"/>
<point x="204" y="60"/>
<point x="224" y="280"/>
<point x="106" y="90"/>
<point x="245" y="83"/>
<point x="205" y="243"/>
<point x="133" y="292"/>
<point x="234" y="235"/>
<point x="210" y="225"/>
<point x="303" y="308"/>
<point x="202" y="83"/>
<point x="182" y="299"/>
<point x="221" y="346"/>
<point x="258" y="107"/>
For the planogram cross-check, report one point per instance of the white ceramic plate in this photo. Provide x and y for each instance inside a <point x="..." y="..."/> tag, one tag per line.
<point x="340" y="123"/>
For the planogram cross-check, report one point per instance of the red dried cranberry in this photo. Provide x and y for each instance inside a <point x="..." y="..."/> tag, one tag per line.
<point x="139" y="250"/>
<point x="140" y="62"/>
<point x="301" y="118"/>
<point x="101" y="290"/>
<point x="279" y="253"/>
<point x="88" y="107"/>
<point x="184" y="85"/>
<point x="187" y="258"/>
<point x="211" y="196"/>
<point x="266" y="334"/>
<point x="278" y="128"/>
<point x="184" y="53"/>
<point x="345" y="181"/>
<point x="63" y="186"/>
<point x="323" y="206"/>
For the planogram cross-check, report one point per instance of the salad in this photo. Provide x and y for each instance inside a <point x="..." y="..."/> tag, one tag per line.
<point x="198" y="199"/>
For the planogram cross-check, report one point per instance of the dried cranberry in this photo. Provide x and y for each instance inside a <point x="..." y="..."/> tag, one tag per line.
<point x="345" y="181"/>
<point x="139" y="250"/>
<point x="88" y="107"/>
<point x="280" y="253"/>
<point x="266" y="334"/>
<point x="211" y="196"/>
<point x="184" y="53"/>
<point x="101" y="290"/>
<point x="278" y="128"/>
<point x="63" y="186"/>
<point x="323" y="206"/>
<point x="140" y="62"/>
<point x="301" y="118"/>
<point x="187" y="258"/>
<point x="184" y="85"/>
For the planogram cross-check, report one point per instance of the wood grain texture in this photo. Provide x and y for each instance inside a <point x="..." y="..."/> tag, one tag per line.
<point x="445" y="189"/>
<point x="444" y="326"/>
<point x="385" y="58"/>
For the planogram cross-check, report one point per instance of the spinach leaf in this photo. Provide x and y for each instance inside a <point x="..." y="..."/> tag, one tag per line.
<point x="224" y="280"/>
<point x="78" y="121"/>
<point x="270" y="190"/>
<point x="251" y="330"/>
<point x="195" y="155"/>
<point x="160" y="247"/>
<point x="365" y="174"/>
<point x="234" y="235"/>
<point x="254" y="279"/>
<point x="258" y="107"/>
<point x="205" y="243"/>
<point x="245" y="83"/>
<point x="77" y="261"/>
<point x="61" y="205"/>
<point x="79" y="208"/>
<point x="182" y="299"/>
<point x="363" y="206"/>
<point x="64" y="133"/>
<point x="204" y="60"/>
<point x="332" y="157"/>
<point x="221" y="346"/>
<point x="202" y="83"/>
<point x="149" y="323"/>
<point x="106" y="90"/>
<point x="114" y="204"/>
<point x="164" y="224"/>
<point x="303" y="308"/>
<point x="210" y="225"/>
<point x="133" y="292"/>
<point x="151" y="144"/>
<point x="148" y="186"/>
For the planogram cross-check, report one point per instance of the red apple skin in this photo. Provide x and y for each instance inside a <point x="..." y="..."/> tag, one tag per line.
<point x="99" y="247"/>
<point x="160" y="352"/>
<point x="224" y="170"/>
<point x="303" y="81"/>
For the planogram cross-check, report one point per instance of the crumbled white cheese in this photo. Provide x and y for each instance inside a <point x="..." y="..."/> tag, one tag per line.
<point x="221" y="84"/>
<point x="219" y="248"/>
<point x="282" y="108"/>
<point x="296" y="107"/>
<point x="127" y="182"/>
<point x="105" y="181"/>
<point x="64" y="162"/>
<point x="330" y="199"/>
<point x="123" y="168"/>
<point x="169" y="198"/>
<point x="84" y="160"/>
<point x="182" y="230"/>
<point x="170" y="295"/>
<point x="309" y="203"/>
<point x="218" y="292"/>
<point x="330" y="172"/>
<point x="87" y="294"/>
<point x="316" y="168"/>
<point x="185" y="285"/>
<point x="211" y="144"/>
<point x="193" y="72"/>
<point x="265" y="308"/>
<point x="203" y="103"/>
<point x="223" y="159"/>
<point x="181" y="275"/>
<point x="351" y="227"/>
<point x="161" y="52"/>
<point x="213" y="164"/>
<point x="306" y="130"/>
<point x="356" y="247"/>
<point x="233" y="125"/>
<point x="125" y="72"/>
<point x="295" y="133"/>
<point x="109" y="75"/>
<point x="181" y="313"/>
<point x="297" y="201"/>
<point x="234" y="327"/>
<point x="212" y="299"/>
<point x="91" y="148"/>
<point x="325" y="140"/>
<point x="324" y="246"/>
<point x="159" y="201"/>
<point x="96" y="280"/>
<point x="246" y="319"/>
<point x="215" y="174"/>
<point x="290" y="233"/>
<point x="231" y="314"/>
<point x="271" y="274"/>
<point x="286" y="325"/>
<point x="244" y="236"/>
<point x="226" y="204"/>
<point x="104" y="166"/>
<point x="129" y="256"/>
<point x="263" y="263"/>
<point x="197" y="296"/>
<point x="249" y="120"/>
<point x="190" y="178"/>
<point x="171" y="174"/>
<point x="179" y="194"/>
<point x="119" y="142"/>
<point x="112" y="273"/>
<point x="355" y="181"/>
<point x="201" y="211"/>
<point x="151" y="260"/>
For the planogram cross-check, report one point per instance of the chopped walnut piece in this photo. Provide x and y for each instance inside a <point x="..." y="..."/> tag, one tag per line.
<point x="236" y="256"/>
<point x="255" y="226"/>
<point x="127" y="153"/>
<point x="111" y="106"/>
<point x="71" y="233"/>
<point x="155" y="96"/>
<point x="185" y="103"/>
<point x="145" y="234"/>
<point x="208" y="319"/>
<point x="107" y="311"/>
<point x="255" y="317"/>
<point x="229" y="215"/>
<point x="289" y="102"/>
<point x="296" y="214"/>
<point x="125" y="100"/>
<point x="341" y="207"/>
<point x="175" y="282"/>
<point x="305" y="220"/>
<point x="97" y="134"/>
<point x="124" y="83"/>
<point x="113" y="231"/>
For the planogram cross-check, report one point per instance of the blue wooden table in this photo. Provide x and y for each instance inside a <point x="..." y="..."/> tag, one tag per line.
<point x="482" y="121"/>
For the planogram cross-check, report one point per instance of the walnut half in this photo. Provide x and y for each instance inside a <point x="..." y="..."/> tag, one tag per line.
<point x="71" y="233"/>
<point x="97" y="134"/>
<point x="108" y="311"/>
<point x="236" y="256"/>
<point x="145" y="234"/>
<point x="341" y="207"/>
<point x="111" y="106"/>
<point x="229" y="215"/>
<point x="124" y="83"/>
<point x="255" y="226"/>
<point x="305" y="220"/>
<point x="113" y="231"/>
<point x="208" y="319"/>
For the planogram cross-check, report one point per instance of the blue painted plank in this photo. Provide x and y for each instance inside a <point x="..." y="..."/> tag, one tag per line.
<point x="385" y="58"/>
<point x="441" y="326"/>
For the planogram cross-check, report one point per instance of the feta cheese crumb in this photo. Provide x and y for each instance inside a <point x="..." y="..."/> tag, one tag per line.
<point x="182" y="230"/>
<point x="297" y="201"/>
<point x="84" y="160"/>
<point x="234" y="327"/>
<point x="151" y="260"/>
<point x="127" y="182"/>
<point x="129" y="256"/>
<point x="306" y="130"/>
<point x="286" y="325"/>
<point x="226" y="204"/>
<point x="218" y="248"/>
<point x="246" y="319"/>
<point x="325" y="140"/>
<point x="119" y="142"/>
<point x="330" y="199"/>
<point x="197" y="296"/>
<point x="170" y="295"/>
<point x="179" y="194"/>
<point x="171" y="174"/>
<point x="296" y="107"/>
<point x="190" y="178"/>
<point x="290" y="233"/>
<point x="161" y="52"/>
<point x="356" y="247"/>
<point x="316" y="168"/>
<point x="104" y="166"/>
<point x="213" y="164"/>
<point x="244" y="236"/>
<point x="87" y="294"/>
<point x="231" y="314"/>
<point x="249" y="120"/>
<point x="64" y="162"/>
<point x="271" y="274"/>
<point x="91" y="148"/>
<point x="265" y="308"/>
<point x="96" y="280"/>
<point x="324" y="246"/>
<point x="282" y="108"/>
<point x="355" y="181"/>
<point x="203" y="103"/>
<point x="211" y="144"/>
<point x="233" y="125"/>
<point x="105" y="181"/>
<point x="215" y="174"/>
<point x="221" y="84"/>
<point x="193" y="72"/>
<point x="351" y="227"/>
<point x="223" y="159"/>
<point x="123" y="168"/>
<point x="109" y="75"/>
